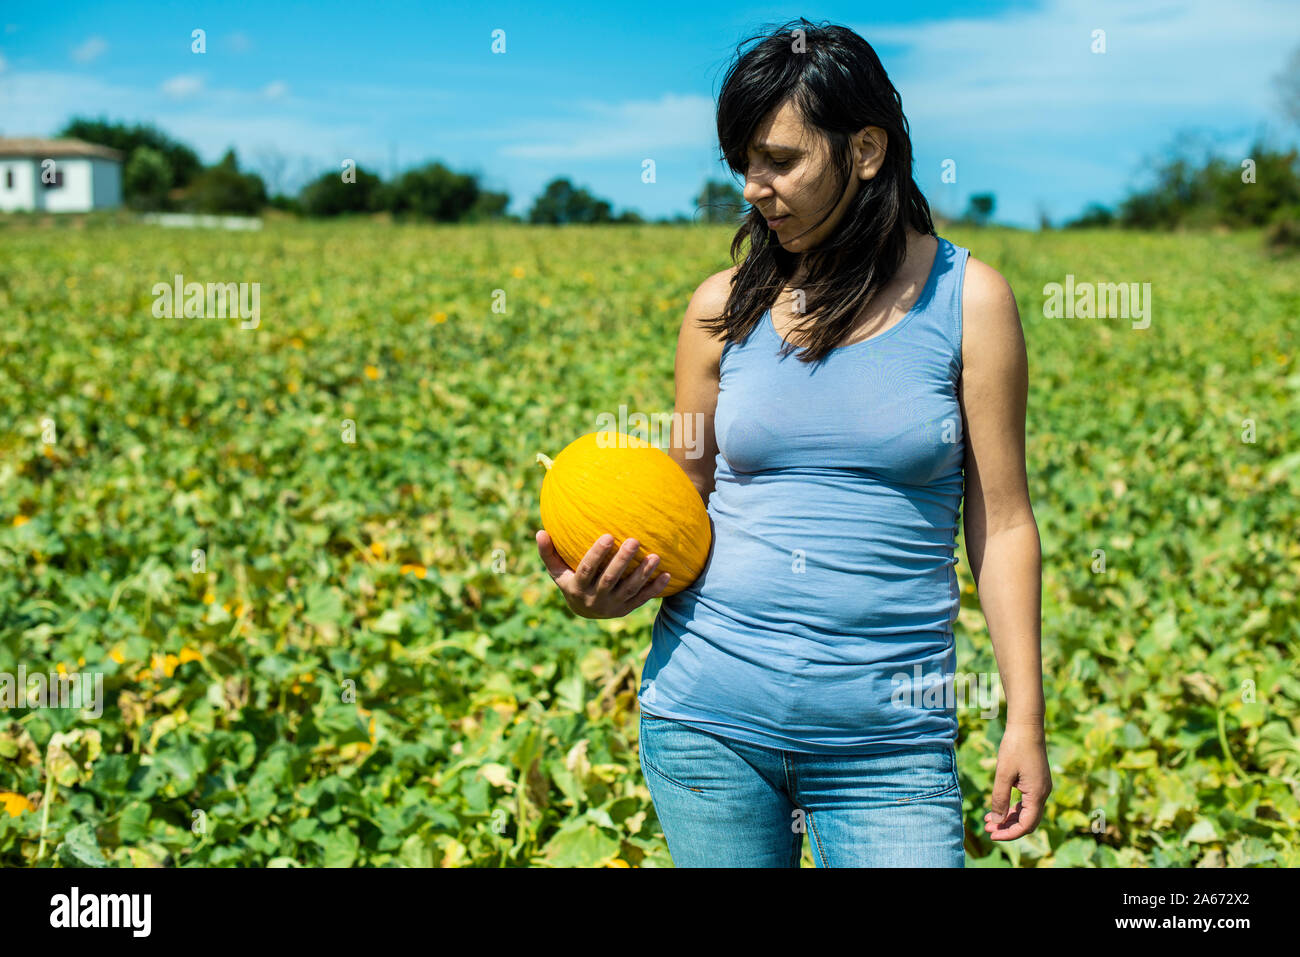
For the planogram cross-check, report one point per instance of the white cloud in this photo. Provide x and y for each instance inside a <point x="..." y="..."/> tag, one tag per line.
<point x="88" y="51"/>
<point x="1034" y="68"/>
<point x="642" y="127"/>
<point x="275" y="90"/>
<point x="179" y="87"/>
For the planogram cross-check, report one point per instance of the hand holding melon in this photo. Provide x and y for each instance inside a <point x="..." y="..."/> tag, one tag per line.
<point x="614" y="593"/>
<point x="618" y="490"/>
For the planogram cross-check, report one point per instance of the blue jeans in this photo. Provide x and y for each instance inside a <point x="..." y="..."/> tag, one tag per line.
<point x="727" y="803"/>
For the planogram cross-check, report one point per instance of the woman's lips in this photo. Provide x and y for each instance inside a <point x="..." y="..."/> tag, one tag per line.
<point x="774" y="223"/>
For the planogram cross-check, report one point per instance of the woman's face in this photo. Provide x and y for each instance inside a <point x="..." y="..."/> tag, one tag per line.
<point x="789" y="176"/>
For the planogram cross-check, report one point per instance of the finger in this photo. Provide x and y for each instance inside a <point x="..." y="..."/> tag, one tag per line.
<point x="1002" y="780"/>
<point x="651" y="589"/>
<point x="554" y="563"/>
<point x="633" y="583"/>
<point x="613" y="573"/>
<point x="1031" y="812"/>
<point x="995" y="822"/>
<point x="594" y="560"/>
<point x="1015" y="826"/>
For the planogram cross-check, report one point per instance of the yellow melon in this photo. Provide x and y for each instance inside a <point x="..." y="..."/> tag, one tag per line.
<point x="610" y="482"/>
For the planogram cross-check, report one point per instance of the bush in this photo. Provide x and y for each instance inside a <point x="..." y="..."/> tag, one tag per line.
<point x="432" y="192"/>
<point x="329" y="195"/>
<point x="1284" y="228"/>
<point x="146" y="179"/>
<point x="224" y="189"/>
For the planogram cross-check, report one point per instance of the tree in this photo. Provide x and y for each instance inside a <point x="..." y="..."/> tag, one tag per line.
<point x="329" y="195"/>
<point x="224" y="189"/>
<point x="146" y="179"/>
<point x="183" y="161"/>
<point x="1095" y="215"/>
<point x="720" y="201"/>
<point x="270" y="164"/>
<point x="1194" y="187"/>
<point x="980" y="209"/>
<point x="489" y="206"/>
<point x="562" y="203"/>
<point x="433" y="192"/>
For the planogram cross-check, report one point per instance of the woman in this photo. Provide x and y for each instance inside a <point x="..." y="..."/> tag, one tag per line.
<point x="803" y="682"/>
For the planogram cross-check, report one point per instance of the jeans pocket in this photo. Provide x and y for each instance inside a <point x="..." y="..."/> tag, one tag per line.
<point x="655" y="748"/>
<point x="921" y="774"/>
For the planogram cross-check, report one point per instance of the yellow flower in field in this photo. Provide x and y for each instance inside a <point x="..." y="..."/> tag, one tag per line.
<point x="362" y="745"/>
<point x="618" y="862"/>
<point x="15" y="804"/>
<point x="116" y="654"/>
<point x="164" y="663"/>
<point x="419" y="571"/>
<point x="20" y="520"/>
<point x="517" y="272"/>
<point x="377" y="549"/>
<point x="61" y="668"/>
<point x="81" y="661"/>
<point x="439" y="317"/>
<point x="308" y="677"/>
<point x="544" y="301"/>
<point x="189" y="654"/>
<point x="296" y="342"/>
<point x="291" y="387"/>
<point x="372" y="372"/>
<point x="969" y="589"/>
<point x="209" y="598"/>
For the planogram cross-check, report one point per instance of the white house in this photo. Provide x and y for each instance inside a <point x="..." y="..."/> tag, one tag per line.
<point x="58" y="176"/>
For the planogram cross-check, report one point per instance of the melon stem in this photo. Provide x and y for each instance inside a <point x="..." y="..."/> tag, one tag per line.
<point x="545" y="460"/>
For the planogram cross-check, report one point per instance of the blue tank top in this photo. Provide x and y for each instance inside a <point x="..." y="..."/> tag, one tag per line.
<point x="822" y="620"/>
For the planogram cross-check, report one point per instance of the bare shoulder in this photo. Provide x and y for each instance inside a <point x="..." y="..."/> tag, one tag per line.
<point x="708" y="302"/>
<point x="990" y="318"/>
<point x="711" y="296"/>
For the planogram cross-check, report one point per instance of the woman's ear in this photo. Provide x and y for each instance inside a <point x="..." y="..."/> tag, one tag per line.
<point x="870" y="144"/>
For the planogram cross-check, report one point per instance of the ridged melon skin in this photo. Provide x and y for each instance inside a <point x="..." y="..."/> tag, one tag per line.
<point x="628" y="489"/>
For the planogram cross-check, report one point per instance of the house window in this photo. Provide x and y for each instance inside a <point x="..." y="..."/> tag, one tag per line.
<point x="56" y="183"/>
<point x="9" y="179"/>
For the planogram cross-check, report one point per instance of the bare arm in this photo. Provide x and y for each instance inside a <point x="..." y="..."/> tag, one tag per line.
<point x="694" y="445"/>
<point x="998" y="522"/>
<point x="1002" y="540"/>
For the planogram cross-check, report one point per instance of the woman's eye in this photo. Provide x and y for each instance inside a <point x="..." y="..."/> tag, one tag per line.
<point x="783" y="165"/>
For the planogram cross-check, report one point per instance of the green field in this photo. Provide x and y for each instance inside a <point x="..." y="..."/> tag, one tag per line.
<point x="368" y="664"/>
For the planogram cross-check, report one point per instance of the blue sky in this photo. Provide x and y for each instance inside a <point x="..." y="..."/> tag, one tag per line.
<point x="1008" y="90"/>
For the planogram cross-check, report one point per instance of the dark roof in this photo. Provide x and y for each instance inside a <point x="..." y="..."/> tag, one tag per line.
<point x="38" y="148"/>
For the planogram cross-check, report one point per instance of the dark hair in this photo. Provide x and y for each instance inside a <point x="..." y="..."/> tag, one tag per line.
<point x="836" y="82"/>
